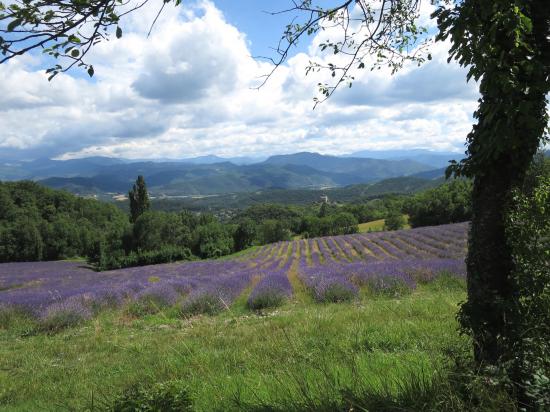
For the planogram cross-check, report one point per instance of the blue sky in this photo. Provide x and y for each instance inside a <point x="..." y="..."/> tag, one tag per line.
<point x="188" y="90"/>
<point x="252" y="17"/>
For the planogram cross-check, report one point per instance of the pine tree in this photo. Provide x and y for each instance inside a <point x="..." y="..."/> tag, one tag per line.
<point x="139" y="199"/>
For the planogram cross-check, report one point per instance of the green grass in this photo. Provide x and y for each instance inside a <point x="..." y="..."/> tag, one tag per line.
<point x="378" y="225"/>
<point x="240" y="254"/>
<point x="311" y="356"/>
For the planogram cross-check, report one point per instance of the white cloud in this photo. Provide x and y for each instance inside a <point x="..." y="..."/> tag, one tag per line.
<point x="188" y="90"/>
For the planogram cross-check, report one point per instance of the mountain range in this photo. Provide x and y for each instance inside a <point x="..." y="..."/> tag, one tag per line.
<point x="209" y="175"/>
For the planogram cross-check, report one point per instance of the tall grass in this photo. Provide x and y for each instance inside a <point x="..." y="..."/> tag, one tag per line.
<point x="304" y="355"/>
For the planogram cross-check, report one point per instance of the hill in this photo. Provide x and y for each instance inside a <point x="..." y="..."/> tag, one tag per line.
<point x="39" y="223"/>
<point x="374" y="168"/>
<point x="302" y="170"/>
<point x="349" y="193"/>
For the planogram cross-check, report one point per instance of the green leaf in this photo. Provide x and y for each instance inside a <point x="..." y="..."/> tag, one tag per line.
<point x="91" y="71"/>
<point x="14" y="23"/>
<point x="75" y="52"/>
<point x="118" y="32"/>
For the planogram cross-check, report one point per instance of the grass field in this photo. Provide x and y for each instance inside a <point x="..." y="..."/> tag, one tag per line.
<point x="378" y="225"/>
<point x="237" y="358"/>
<point x="363" y="322"/>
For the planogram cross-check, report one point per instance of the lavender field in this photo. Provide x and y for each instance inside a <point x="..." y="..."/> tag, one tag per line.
<point x="330" y="269"/>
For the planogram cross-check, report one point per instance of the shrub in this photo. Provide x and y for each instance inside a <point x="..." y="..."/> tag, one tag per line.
<point x="529" y="327"/>
<point x="202" y="303"/>
<point x="67" y="313"/>
<point x="269" y="298"/>
<point x="334" y="291"/>
<point x="166" y="254"/>
<point x="394" y="221"/>
<point x="448" y="203"/>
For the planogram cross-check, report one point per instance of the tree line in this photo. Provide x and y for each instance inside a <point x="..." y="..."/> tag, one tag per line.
<point x="37" y="223"/>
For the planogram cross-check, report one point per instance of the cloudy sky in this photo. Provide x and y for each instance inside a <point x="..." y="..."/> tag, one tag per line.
<point x="188" y="90"/>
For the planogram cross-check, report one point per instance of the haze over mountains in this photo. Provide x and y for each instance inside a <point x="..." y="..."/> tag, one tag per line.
<point x="208" y="175"/>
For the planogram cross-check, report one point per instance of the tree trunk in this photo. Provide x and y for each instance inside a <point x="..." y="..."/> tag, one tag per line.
<point x="512" y="118"/>
<point x="489" y="265"/>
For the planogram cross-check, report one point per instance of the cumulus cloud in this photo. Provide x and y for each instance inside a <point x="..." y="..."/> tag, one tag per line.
<point x="188" y="90"/>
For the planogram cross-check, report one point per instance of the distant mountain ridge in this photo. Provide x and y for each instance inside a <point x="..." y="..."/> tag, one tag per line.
<point x="209" y="175"/>
<point x="329" y="163"/>
<point x="435" y="159"/>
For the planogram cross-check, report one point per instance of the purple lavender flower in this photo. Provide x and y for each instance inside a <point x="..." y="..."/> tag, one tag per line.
<point x="271" y="291"/>
<point x="65" y="313"/>
<point x="334" y="289"/>
<point x="383" y="262"/>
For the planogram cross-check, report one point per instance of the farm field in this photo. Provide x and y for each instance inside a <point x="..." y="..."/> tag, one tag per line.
<point x="339" y="315"/>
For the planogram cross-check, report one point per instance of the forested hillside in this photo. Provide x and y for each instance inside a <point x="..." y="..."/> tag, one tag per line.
<point x="37" y="223"/>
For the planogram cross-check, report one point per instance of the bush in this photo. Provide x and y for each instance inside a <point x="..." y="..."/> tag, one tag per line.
<point x="245" y="234"/>
<point x="202" y="303"/>
<point x="170" y="396"/>
<point x="529" y="327"/>
<point x="266" y="299"/>
<point x="212" y="240"/>
<point x="272" y="231"/>
<point x="156" y="230"/>
<point x="64" y="314"/>
<point x="142" y="258"/>
<point x="329" y="290"/>
<point x="448" y="203"/>
<point x="394" y="221"/>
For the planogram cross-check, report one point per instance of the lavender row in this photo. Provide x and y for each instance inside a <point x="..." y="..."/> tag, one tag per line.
<point x="46" y="288"/>
<point x="389" y="276"/>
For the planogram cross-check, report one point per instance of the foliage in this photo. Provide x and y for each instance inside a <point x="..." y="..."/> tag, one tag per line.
<point x="262" y="212"/>
<point x="212" y="240"/>
<point x="154" y="230"/>
<point x="272" y="230"/>
<point x="341" y="223"/>
<point x="57" y="28"/>
<point x="37" y="223"/>
<point x="528" y="330"/>
<point x="394" y="221"/>
<point x="448" y="203"/>
<point x="388" y="33"/>
<point x="164" y="254"/>
<point x="245" y="234"/>
<point x="139" y="199"/>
